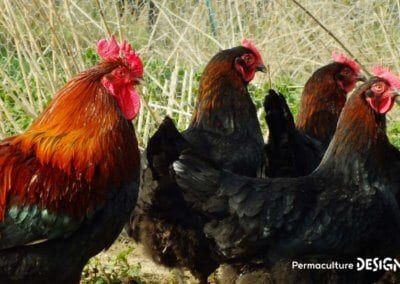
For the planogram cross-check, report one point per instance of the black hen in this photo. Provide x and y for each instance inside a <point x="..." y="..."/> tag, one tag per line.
<point x="225" y="128"/>
<point x="346" y="208"/>
<point x="324" y="96"/>
<point x="295" y="150"/>
<point x="289" y="152"/>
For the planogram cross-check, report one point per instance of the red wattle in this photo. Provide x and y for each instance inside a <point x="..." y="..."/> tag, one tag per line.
<point x="129" y="101"/>
<point x="127" y="97"/>
<point x="386" y="104"/>
<point x="382" y="105"/>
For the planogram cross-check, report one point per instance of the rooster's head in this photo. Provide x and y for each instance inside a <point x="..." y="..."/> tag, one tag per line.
<point x="127" y="71"/>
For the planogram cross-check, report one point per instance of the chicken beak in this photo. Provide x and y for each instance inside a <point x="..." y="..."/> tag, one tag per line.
<point x="396" y="95"/>
<point x="261" y="67"/>
<point x="361" y="77"/>
<point x="138" y="81"/>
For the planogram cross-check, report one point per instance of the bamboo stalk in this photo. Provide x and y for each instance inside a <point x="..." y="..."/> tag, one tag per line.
<point x="103" y="20"/>
<point x="211" y="15"/>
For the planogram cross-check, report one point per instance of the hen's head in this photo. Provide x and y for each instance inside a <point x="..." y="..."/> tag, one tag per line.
<point x="347" y="72"/>
<point x="126" y="72"/>
<point x="241" y="61"/>
<point x="382" y="90"/>
<point x="248" y="61"/>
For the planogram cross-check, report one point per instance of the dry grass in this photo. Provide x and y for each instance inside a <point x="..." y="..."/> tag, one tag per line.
<point x="43" y="43"/>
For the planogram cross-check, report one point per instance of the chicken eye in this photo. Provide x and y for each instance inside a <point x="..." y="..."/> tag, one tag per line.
<point x="346" y="72"/>
<point x="120" y="72"/>
<point x="378" y="88"/>
<point x="248" y="59"/>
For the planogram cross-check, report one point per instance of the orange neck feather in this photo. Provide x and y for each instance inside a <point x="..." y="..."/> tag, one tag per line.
<point x="73" y="131"/>
<point x="320" y="107"/>
<point x="359" y="137"/>
<point x="220" y="86"/>
<point x="82" y="135"/>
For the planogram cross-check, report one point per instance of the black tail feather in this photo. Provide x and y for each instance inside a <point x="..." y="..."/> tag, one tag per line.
<point x="279" y="149"/>
<point x="278" y="115"/>
<point x="289" y="153"/>
<point x="164" y="147"/>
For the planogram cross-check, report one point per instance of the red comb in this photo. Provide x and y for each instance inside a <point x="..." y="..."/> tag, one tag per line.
<point x="246" y="43"/>
<point x="386" y="74"/>
<point x="341" y="58"/>
<point x="110" y="50"/>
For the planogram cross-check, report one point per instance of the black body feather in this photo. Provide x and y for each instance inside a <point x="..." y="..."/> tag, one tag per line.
<point x="289" y="152"/>
<point x="226" y="129"/>
<point x="347" y="208"/>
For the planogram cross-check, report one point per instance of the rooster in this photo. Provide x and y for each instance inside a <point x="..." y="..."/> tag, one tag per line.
<point x="225" y="127"/>
<point x="296" y="150"/>
<point x="69" y="183"/>
<point x="346" y="208"/>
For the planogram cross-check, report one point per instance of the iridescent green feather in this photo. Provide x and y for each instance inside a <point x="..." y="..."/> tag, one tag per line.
<point x="27" y="224"/>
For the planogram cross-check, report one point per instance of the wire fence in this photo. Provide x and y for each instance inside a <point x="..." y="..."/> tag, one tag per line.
<point x="43" y="43"/>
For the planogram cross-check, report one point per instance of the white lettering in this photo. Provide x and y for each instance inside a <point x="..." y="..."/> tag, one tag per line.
<point x="360" y="264"/>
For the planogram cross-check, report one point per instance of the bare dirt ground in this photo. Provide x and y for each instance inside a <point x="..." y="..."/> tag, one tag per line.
<point x="124" y="259"/>
<point x="126" y="263"/>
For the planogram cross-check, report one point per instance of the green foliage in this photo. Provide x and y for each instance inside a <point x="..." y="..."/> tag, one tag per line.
<point x="393" y="131"/>
<point x="163" y="73"/>
<point x="15" y="110"/>
<point x="284" y="85"/>
<point x="292" y="93"/>
<point x="113" y="270"/>
<point x="90" y="57"/>
<point x="51" y="37"/>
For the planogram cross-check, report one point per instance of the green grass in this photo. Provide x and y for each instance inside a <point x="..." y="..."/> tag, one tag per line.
<point x="44" y="43"/>
<point x="393" y="131"/>
<point x="164" y="74"/>
<point x="112" y="270"/>
<point x="58" y="39"/>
